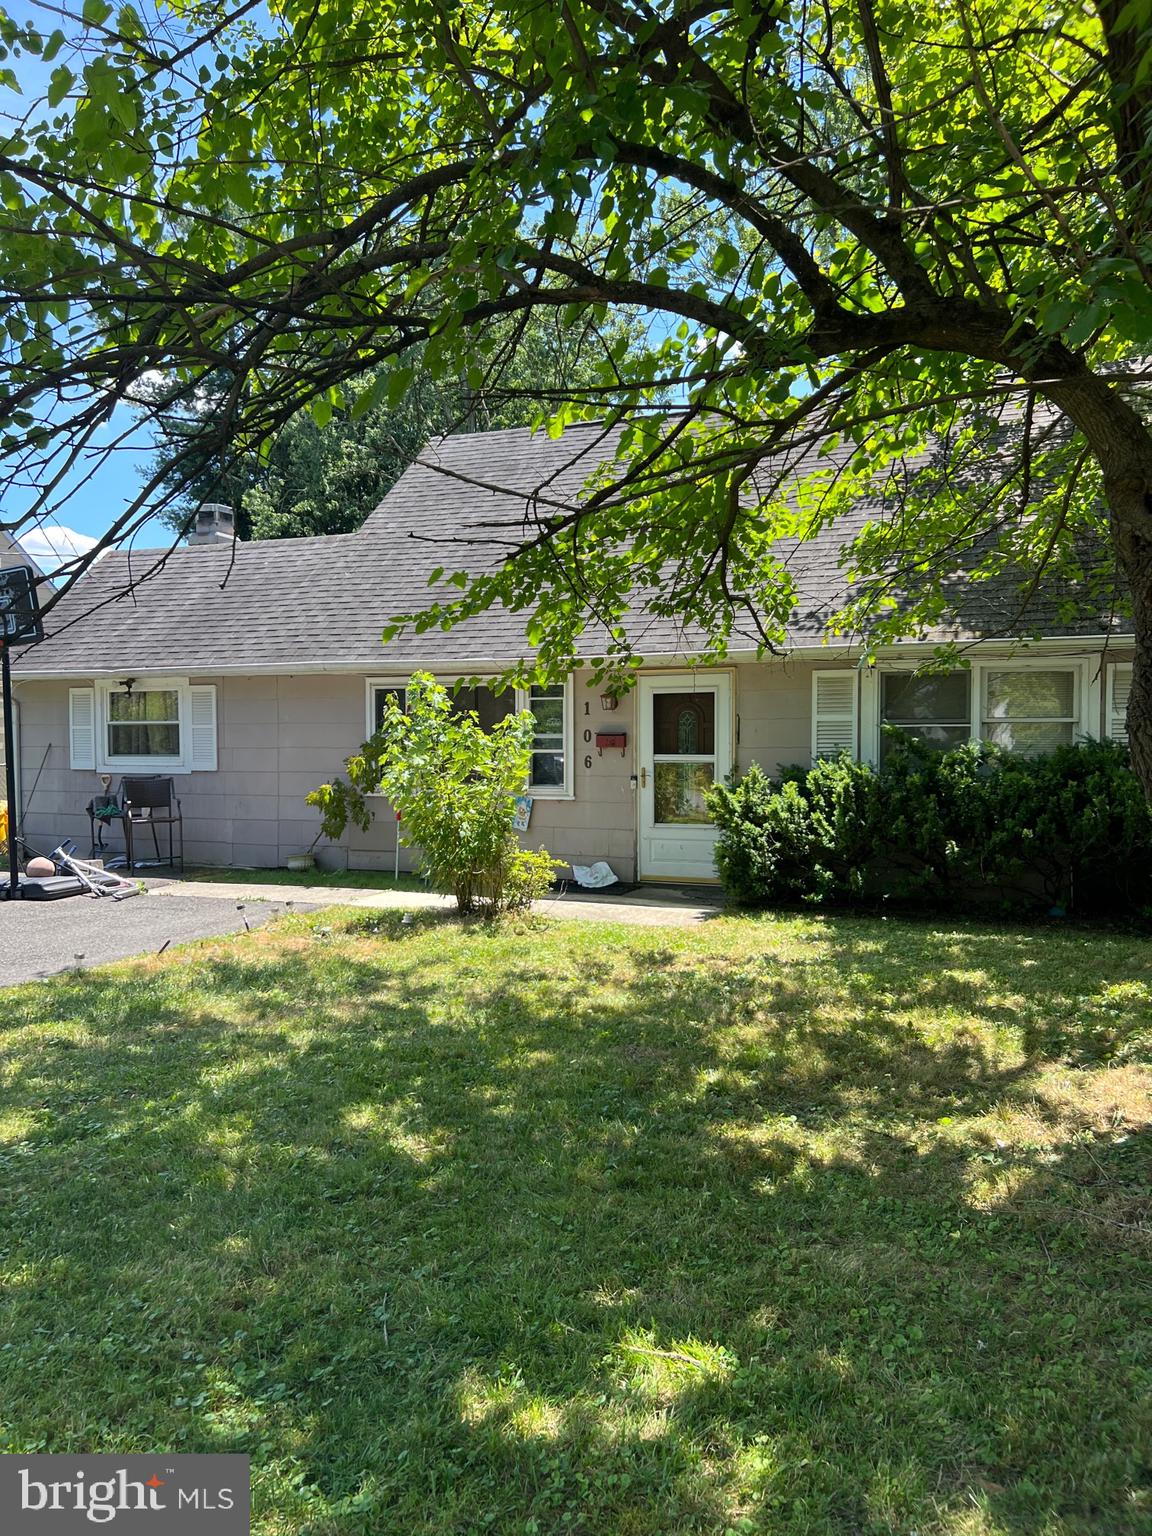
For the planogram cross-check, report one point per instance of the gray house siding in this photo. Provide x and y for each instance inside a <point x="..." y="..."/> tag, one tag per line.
<point x="277" y="738"/>
<point x="280" y="736"/>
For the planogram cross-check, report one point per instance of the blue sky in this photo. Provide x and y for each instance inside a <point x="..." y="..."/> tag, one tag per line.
<point x="85" y="507"/>
<point x="89" y="505"/>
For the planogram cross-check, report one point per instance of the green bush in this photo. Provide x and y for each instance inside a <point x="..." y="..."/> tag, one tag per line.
<point x="973" y="828"/>
<point x="453" y="784"/>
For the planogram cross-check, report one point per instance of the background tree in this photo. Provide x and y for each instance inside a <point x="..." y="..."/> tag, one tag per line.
<point x="862" y="226"/>
<point x="325" y="478"/>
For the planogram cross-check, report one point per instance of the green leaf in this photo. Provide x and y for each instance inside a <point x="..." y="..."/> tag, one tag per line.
<point x="122" y="106"/>
<point x="59" y="85"/>
<point x="725" y="259"/>
<point x="1087" y="320"/>
<point x="95" y="13"/>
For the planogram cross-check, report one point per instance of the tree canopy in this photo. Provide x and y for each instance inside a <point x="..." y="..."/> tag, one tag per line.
<point x="856" y="224"/>
<point x="312" y="479"/>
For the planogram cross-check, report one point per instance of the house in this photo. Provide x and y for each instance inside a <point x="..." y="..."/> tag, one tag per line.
<point x="11" y="554"/>
<point x="250" y="672"/>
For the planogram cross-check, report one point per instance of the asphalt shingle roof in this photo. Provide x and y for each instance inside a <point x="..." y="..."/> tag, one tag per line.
<point x="291" y="604"/>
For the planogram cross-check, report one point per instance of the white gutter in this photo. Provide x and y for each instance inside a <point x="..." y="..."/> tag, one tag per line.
<point x="382" y="662"/>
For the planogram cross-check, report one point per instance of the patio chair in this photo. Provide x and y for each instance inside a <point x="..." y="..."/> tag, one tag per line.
<point x="102" y="810"/>
<point x="151" y="802"/>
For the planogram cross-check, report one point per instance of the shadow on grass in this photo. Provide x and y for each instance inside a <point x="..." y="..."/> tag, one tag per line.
<point x="456" y="1230"/>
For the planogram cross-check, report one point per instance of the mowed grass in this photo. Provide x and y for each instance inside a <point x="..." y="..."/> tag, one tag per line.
<point x="797" y="1227"/>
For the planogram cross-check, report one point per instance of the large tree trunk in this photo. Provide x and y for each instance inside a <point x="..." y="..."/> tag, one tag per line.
<point x="1122" y="445"/>
<point x="1135" y="555"/>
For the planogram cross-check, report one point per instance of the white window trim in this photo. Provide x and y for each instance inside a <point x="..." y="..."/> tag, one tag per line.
<point x="108" y="764"/>
<point x="370" y="686"/>
<point x="565" y="791"/>
<point x="1086" y="711"/>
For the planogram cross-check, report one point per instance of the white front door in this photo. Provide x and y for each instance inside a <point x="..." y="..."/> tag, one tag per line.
<point x="685" y="745"/>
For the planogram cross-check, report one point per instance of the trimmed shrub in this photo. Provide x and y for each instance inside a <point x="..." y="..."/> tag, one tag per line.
<point x="974" y="828"/>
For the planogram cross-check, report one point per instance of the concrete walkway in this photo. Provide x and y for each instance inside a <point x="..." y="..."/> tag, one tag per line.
<point x="646" y="907"/>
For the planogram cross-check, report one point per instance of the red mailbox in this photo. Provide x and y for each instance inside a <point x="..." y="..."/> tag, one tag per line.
<point x="617" y="739"/>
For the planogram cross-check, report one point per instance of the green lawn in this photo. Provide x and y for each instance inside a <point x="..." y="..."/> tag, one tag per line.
<point x="796" y="1227"/>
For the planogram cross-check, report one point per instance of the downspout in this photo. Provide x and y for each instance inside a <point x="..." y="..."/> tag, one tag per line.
<point x="16" y="817"/>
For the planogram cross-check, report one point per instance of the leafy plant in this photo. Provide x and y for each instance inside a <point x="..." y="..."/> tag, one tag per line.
<point x="968" y="828"/>
<point x="453" y="784"/>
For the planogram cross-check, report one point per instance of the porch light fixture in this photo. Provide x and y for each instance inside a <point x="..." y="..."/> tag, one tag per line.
<point x="127" y="683"/>
<point x="609" y="701"/>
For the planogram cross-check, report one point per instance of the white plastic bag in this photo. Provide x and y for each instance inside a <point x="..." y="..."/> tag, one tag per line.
<point x="594" y="877"/>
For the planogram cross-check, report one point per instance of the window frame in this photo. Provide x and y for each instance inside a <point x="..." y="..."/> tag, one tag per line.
<point x="915" y="727"/>
<point x="564" y="791"/>
<point x="372" y="686"/>
<point x="107" y="763"/>
<point x="1082" y="718"/>
<point x="1074" y="719"/>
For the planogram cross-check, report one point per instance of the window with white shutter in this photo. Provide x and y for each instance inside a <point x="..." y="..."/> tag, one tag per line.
<point x="834" y="706"/>
<point x="202" y="712"/>
<point x="82" y="727"/>
<point x="1119" y="686"/>
<point x="152" y="725"/>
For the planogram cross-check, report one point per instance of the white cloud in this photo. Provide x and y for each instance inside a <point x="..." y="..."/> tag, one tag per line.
<point x="51" y="545"/>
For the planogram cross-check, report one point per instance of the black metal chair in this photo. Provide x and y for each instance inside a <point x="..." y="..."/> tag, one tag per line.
<point x="151" y="802"/>
<point x="102" y="810"/>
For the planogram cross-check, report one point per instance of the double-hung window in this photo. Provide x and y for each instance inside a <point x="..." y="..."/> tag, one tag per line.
<point x="1031" y="710"/>
<point x="934" y="708"/>
<point x="150" y="725"/>
<point x="143" y="724"/>
<point x="1026" y="708"/>
<point x="550" y="764"/>
<point x="549" y="767"/>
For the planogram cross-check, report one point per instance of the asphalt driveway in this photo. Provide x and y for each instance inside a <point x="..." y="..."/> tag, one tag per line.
<point x="39" y="938"/>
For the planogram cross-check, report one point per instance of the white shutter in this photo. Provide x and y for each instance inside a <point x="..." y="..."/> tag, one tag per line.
<point x="82" y="727"/>
<point x="202" y="725"/>
<point x="834" y="696"/>
<point x="1119" y="686"/>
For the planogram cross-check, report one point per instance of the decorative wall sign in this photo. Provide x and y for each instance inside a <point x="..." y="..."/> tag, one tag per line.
<point x="523" y="813"/>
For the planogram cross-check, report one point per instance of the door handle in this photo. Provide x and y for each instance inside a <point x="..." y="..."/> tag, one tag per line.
<point x="643" y="778"/>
